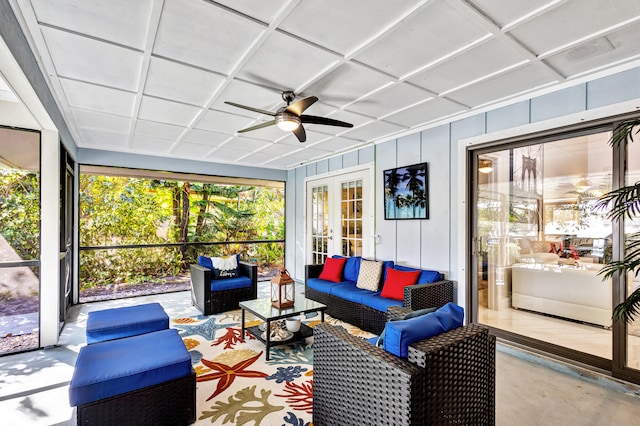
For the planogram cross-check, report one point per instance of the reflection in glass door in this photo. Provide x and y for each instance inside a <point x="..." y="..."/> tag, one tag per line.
<point x="540" y="244"/>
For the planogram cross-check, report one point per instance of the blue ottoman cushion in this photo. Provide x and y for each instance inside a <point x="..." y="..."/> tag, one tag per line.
<point x="128" y="321"/>
<point x="119" y="366"/>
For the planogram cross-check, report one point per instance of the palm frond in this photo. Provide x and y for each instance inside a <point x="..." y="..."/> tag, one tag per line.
<point x="624" y="132"/>
<point x="621" y="202"/>
<point x="628" y="309"/>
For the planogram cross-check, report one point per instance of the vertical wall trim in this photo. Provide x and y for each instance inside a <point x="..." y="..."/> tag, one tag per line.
<point x="49" y="237"/>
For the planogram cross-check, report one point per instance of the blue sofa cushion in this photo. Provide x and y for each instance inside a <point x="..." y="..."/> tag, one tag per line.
<point x="323" y="286"/>
<point x="400" y="334"/>
<point x="409" y="315"/>
<point x="118" y="366"/>
<point x="426" y="276"/>
<point x="375" y="301"/>
<point x="231" y="283"/>
<point x="349" y="292"/>
<point x="351" y="267"/>
<point x="127" y="321"/>
<point x="385" y="264"/>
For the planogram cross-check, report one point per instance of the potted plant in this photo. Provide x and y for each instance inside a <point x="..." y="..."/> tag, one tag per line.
<point x="625" y="202"/>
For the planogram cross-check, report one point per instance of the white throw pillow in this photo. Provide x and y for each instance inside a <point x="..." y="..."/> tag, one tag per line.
<point x="369" y="275"/>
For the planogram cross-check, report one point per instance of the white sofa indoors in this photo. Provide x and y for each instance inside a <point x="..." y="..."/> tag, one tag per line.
<point x="577" y="292"/>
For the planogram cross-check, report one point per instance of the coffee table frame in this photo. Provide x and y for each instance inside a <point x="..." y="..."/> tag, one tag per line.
<point x="262" y="309"/>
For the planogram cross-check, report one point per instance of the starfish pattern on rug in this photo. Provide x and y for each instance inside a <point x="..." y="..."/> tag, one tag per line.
<point x="228" y="374"/>
<point x="207" y="330"/>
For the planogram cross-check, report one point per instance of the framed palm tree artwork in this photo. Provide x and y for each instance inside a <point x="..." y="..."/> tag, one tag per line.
<point x="406" y="192"/>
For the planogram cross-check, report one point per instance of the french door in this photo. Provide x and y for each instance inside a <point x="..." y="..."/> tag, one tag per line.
<point x="339" y="216"/>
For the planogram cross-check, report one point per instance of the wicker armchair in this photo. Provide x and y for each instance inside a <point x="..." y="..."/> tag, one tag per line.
<point x="213" y="302"/>
<point x="447" y="379"/>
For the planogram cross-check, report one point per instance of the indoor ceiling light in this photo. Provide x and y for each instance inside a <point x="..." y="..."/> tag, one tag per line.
<point x="583" y="185"/>
<point x="287" y="121"/>
<point x="485" y="166"/>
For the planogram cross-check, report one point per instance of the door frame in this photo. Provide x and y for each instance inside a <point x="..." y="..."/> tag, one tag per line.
<point x="368" y="209"/>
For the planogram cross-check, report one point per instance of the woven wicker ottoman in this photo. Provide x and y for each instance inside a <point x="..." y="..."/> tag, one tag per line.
<point x="140" y="380"/>
<point x="116" y="323"/>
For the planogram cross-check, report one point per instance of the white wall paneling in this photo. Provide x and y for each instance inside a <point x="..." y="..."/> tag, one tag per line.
<point x="407" y="246"/>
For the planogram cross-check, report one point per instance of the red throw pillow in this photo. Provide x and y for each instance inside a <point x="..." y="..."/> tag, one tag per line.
<point x="332" y="270"/>
<point x="396" y="282"/>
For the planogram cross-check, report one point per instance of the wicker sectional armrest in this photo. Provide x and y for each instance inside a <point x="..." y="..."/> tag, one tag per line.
<point x="313" y="271"/>
<point x="429" y="295"/>
<point x="396" y="312"/>
<point x="356" y="383"/>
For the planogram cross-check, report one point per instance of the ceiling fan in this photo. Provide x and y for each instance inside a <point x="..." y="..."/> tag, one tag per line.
<point x="291" y="117"/>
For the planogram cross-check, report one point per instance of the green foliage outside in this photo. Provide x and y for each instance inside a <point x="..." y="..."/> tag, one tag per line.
<point x="20" y="211"/>
<point x="117" y="211"/>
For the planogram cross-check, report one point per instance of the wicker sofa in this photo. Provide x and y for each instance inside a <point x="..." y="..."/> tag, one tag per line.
<point x="372" y="318"/>
<point x="214" y="296"/>
<point x="447" y="379"/>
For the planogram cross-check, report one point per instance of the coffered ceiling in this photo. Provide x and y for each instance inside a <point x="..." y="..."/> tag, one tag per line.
<point x="151" y="76"/>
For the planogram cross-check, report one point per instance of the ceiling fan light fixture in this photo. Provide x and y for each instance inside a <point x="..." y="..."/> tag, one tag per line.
<point x="485" y="166"/>
<point x="583" y="185"/>
<point x="287" y="122"/>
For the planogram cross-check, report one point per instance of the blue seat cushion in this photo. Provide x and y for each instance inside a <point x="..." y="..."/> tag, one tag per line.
<point x="426" y="276"/>
<point x="375" y="301"/>
<point x="351" y="267"/>
<point x="400" y="334"/>
<point x="119" y="366"/>
<point x="324" y="286"/>
<point x="348" y="291"/>
<point x="127" y="321"/>
<point x="231" y="283"/>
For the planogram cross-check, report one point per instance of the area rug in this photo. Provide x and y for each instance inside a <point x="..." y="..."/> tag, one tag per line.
<point x="236" y="385"/>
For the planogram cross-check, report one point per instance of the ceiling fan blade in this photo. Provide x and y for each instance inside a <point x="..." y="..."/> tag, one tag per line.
<point x="312" y="119"/>
<point x="298" y="107"/>
<point x="258" y="110"/>
<point x="258" y="126"/>
<point x="300" y="133"/>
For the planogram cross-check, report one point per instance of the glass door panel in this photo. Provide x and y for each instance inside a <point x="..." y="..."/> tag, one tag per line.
<point x="633" y="281"/>
<point x="540" y="244"/>
<point x="319" y="213"/>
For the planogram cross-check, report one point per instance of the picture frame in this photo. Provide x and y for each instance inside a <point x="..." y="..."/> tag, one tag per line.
<point x="406" y="192"/>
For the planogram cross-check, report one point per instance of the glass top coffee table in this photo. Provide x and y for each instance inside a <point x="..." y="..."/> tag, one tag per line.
<point x="262" y="309"/>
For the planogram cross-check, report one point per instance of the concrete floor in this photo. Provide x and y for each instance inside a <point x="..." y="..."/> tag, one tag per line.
<point x="530" y="390"/>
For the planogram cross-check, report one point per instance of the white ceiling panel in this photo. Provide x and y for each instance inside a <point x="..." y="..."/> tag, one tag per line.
<point x="265" y="11"/>
<point x="488" y="57"/>
<point x="573" y="20"/>
<point x="188" y="149"/>
<point x="505" y="12"/>
<point x="163" y="111"/>
<point x="437" y="30"/>
<point x="512" y="83"/>
<point x="339" y="144"/>
<point x="218" y="121"/>
<point x="146" y="144"/>
<point x="200" y="33"/>
<point x="205" y="137"/>
<point x="178" y="82"/>
<point x="99" y="120"/>
<point x="158" y="130"/>
<point x="246" y="144"/>
<point x="347" y="83"/>
<point x="227" y="155"/>
<point x="394" y="98"/>
<point x="426" y="112"/>
<point x="98" y="98"/>
<point x="171" y="64"/>
<point x="375" y="130"/>
<point x="331" y="23"/>
<point x="120" y="21"/>
<point x="279" y="64"/>
<point x="86" y="59"/>
<point x="615" y="47"/>
<point x="104" y="139"/>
